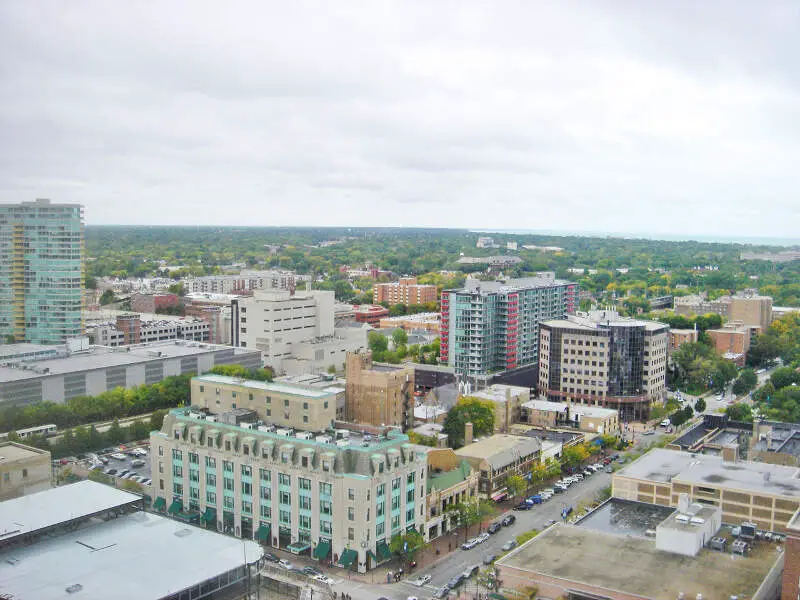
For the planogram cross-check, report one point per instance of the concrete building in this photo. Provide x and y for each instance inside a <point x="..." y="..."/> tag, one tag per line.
<point x="295" y="333"/>
<point x="152" y="303"/>
<point x="428" y="377"/>
<point x="601" y="359"/>
<point x="498" y="456"/>
<point x="338" y="496"/>
<point x="41" y="271"/>
<point x="451" y="480"/>
<point x="281" y="404"/>
<point x="765" y="494"/>
<point x="497" y="262"/>
<point x="507" y="401"/>
<point x="132" y="329"/>
<point x="322" y="382"/>
<point x="23" y="470"/>
<point x="214" y="308"/>
<point x="746" y="308"/>
<point x="791" y="569"/>
<point x="92" y="370"/>
<point x="427" y="321"/>
<point x="405" y="291"/>
<point x="689" y="528"/>
<point x="553" y="415"/>
<point x="679" y="337"/>
<point x="486" y="242"/>
<point x="377" y="393"/>
<point x="246" y="281"/>
<point x="93" y="541"/>
<point x="494" y="326"/>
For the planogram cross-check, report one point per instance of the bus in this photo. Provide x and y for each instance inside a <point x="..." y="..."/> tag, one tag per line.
<point x="45" y="430"/>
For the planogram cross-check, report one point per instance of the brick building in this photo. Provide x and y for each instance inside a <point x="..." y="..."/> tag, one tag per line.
<point x="405" y="291"/>
<point x="151" y="303"/>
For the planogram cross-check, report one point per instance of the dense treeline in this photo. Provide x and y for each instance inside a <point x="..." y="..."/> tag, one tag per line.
<point x="113" y="404"/>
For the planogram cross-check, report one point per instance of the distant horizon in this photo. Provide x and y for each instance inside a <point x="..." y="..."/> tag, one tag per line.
<point x="777" y="241"/>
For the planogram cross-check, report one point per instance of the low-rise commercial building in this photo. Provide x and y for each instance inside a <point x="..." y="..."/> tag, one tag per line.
<point x="679" y="337"/>
<point x="92" y="370"/>
<point x="765" y="494"/>
<point x="370" y="313"/>
<point x="428" y="321"/>
<point x="451" y="480"/>
<point x="23" y="470"/>
<point x="338" y="496"/>
<point x="507" y="401"/>
<point x="133" y="329"/>
<point x="498" y="456"/>
<point x="92" y="541"/>
<point x="379" y="394"/>
<point x="543" y="413"/>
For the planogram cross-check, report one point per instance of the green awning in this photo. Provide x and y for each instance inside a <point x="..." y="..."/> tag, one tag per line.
<point x="383" y="552"/>
<point x="298" y="547"/>
<point x="371" y="554"/>
<point x="227" y="518"/>
<point x="262" y="533"/>
<point x="175" y="507"/>
<point x="322" y="550"/>
<point x="210" y="516"/>
<point x="347" y="558"/>
<point x="160" y="504"/>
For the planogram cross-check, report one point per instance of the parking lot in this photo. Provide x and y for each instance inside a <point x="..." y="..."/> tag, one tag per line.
<point x="113" y="461"/>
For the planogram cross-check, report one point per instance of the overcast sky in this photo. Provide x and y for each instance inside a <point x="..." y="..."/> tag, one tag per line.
<point x="657" y="117"/>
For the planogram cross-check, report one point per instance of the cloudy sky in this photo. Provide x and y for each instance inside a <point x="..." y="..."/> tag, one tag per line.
<point x="624" y="116"/>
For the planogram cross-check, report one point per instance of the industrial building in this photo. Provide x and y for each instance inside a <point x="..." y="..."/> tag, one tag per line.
<point x="602" y="359"/>
<point x="41" y="271"/>
<point x="487" y="327"/>
<point x="91" y="541"/>
<point x="92" y="370"/>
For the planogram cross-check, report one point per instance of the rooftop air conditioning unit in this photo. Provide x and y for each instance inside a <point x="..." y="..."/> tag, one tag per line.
<point x="304" y="435"/>
<point x="284" y="432"/>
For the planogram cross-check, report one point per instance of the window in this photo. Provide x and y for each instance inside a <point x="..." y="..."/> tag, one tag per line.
<point x="177" y="471"/>
<point x="395" y="484"/>
<point x="265" y="475"/>
<point x="284" y="479"/>
<point x="325" y="526"/>
<point x="381" y="490"/>
<point x="286" y="404"/>
<point x="247" y="488"/>
<point x="247" y="507"/>
<point x="161" y="450"/>
<point x="380" y="529"/>
<point x="269" y="412"/>
<point x="351" y="494"/>
<point x="177" y="454"/>
<point x="194" y="458"/>
<point x="379" y="510"/>
<point x="269" y="399"/>
<point x="265" y="511"/>
<point x="285" y="516"/>
<point x="325" y="489"/>
<point x="305" y="502"/>
<point x="227" y="483"/>
<point x="395" y="502"/>
<point x="227" y="466"/>
<point x="305" y="405"/>
<point x="177" y="489"/>
<point x="303" y="483"/>
<point x="325" y="508"/>
<point x="395" y="523"/>
<point x="410" y="478"/>
<point x="194" y="493"/>
<point x="24" y="473"/>
<point x="247" y="471"/>
<point x="410" y="496"/>
<point x="305" y="522"/>
<point x="410" y="514"/>
<point x="227" y="502"/>
<point x="194" y="475"/>
<point x="211" y="479"/>
<point x="351" y="534"/>
<point x="326" y="404"/>
<point x="351" y="513"/>
<point x="305" y="418"/>
<point x="202" y="388"/>
<point x="285" y="498"/>
<point x="211" y="498"/>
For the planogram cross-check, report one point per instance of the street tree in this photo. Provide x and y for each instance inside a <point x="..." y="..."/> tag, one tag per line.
<point x="516" y="485"/>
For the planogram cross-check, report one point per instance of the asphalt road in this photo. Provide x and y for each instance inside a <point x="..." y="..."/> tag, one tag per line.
<point x="457" y="561"/>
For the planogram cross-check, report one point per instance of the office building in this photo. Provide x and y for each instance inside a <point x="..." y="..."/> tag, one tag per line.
<point x="506" y="400"/>
<point x="733" y="338"/>
<point x="295" y="332"/>
<point x="92" y="370"/>
<point x="451" y="481"/>
<point x="405" y="291"/>
<point x="41" y="271"/>
<point x="153" y="303"/>
<point x="488" y="327"/>
<point x="377" y="393"/>
<point x="498" y="456"/>
<point x="23" y="470"/>
<point x="133" y="329"/>
<point x="601" y="359"/>
<point x="338" y="496"/>
<point x="246" y="281"/>
<point x="214" y="308"/>
<point x="88" y="540"/>
<point x="747" y="308"/>
<point x="553" y="415"/>
<point x="765" y="494"/>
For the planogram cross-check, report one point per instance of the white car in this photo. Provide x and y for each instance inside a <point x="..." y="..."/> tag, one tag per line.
<point x="470" y="544"/>
<point x="323" y="579"/>
<point x="285" y="564"/>
<point x="420" y="581"/>
<point x="665" y="423"/>
<point x="118" y="456"/>
<point x="482" y="537"/>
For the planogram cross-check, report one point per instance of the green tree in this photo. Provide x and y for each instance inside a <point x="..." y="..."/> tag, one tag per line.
<point x="332" y="369"/>
<point x="107" y="297"/>
<point x="400" y="337"/>
<point x="516" y="485"/>
<point x="700" y="405"/>
<point x="746" y="382"/>
<point x="115" y="434"/>
<point x="739" y="412"/>
<point x="378" y="344"/>
<point x="783" y="377"/>
<point x="407" y="545"/>
<point x="157" y="420"/>
<point x="574" y="455"/>
<point x="479" y="412"/>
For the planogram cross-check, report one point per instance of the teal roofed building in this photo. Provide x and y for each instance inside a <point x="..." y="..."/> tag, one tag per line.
<point x="451" y="480"/>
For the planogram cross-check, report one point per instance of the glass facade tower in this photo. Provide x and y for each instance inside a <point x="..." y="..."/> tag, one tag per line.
<point x="41" y="271"/>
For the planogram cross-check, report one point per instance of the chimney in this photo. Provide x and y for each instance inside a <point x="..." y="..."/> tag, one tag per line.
<point x="468" y="433"/>
<point x="683" y="503"/>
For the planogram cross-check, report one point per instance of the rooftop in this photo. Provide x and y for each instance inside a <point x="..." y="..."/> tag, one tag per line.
<point x="500" y="449"/>
<point x="291" y="389"/>
<point x="561" y="436"/>
<point x="625" y="517"/>
<point x="475" y="286"/>
<point x="499" y="392"/>
<point x="99" y="357"/>
<point x="596" y="320"/>
<point x="660" y="465"/>
<point x="604" y="560"/>
<point x="12" y="451"/>
<point x="447" y="479"/>
<point x="428" y="411"/>
<point x="47" y="508"/>
<point x="138" y="556"/>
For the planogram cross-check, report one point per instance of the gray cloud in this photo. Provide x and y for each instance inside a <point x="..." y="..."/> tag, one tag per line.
<point x="678" y="117"/>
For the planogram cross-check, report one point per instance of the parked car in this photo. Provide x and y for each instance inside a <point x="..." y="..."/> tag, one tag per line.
<point x="123" y="473"/>
<point x="420" y="581"/>
<point x="118" y="456"/>
<point x="535" y="499"/>
<point x="489" y="559"/>
<point x="509" y="545"/>
<point x="442" y="592"/>
<point x="470" y="571"/>
<point x="285" y="564"/>
<point x="271" y="557"/>
<point x="147" y="481"/>
<point x="494" y="527"/>
<point x="454" y="582"/>
<point x="508" y="520"/>
<point x="323" y="579"/>
<point x="523" y="506"/>
<point x="578" y="476"/>
<point x="665" y="423"/>
<point x="470" y="544"/>
<point x="137" y="463"/>
<point x="609" y="469"/>
<point x="482" y="537"/>
<point x="588" y="473"/>
<point x="548" y="491"/>
<point x="559" y="488"/>
<point x="311" y="571"/>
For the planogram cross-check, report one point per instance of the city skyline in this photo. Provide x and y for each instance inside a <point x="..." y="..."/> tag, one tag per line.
<point x="674" y="119"/>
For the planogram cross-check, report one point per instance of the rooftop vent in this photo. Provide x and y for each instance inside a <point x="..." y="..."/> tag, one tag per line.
<point x="75" y="587"/>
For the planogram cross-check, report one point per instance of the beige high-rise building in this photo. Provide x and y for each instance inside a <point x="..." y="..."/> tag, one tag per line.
<point x="752" y="311"/>
<point x="23" y="470"/>
<point x="377" y="393"/>
<point x="602" y="359"/>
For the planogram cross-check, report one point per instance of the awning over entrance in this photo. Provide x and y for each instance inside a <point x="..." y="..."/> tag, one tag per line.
<point x="371" y="555"/>
<point x="227" y="518"/>
<point x="347" y="558"/>
<point x="322" y="550"/>
<point x="175" y="507"/>
<point x="210" y="516"/>
<point x="160" y="504"/>
<point x="262" y="533"/>
<point x="383" y="552"/>
<point x="499" y="494"/>
<point x="298" y="547"/>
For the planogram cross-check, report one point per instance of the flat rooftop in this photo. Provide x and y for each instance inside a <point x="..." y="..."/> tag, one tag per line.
<point x="632" y="565"/>
<point x="624" y="517"/>
<point x="47" y="508"/>
<point x="11" y="451"/>
<point x="500" y="449"/>
<point x="662" y="466"/>
<point x="99" y="357"/>
<point x="136" y="557"/>
<point x="497" y="392"/>
<point x="292" y="389"/>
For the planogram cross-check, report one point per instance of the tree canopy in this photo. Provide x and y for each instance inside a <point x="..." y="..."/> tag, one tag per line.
<point x="468" y="409"/>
